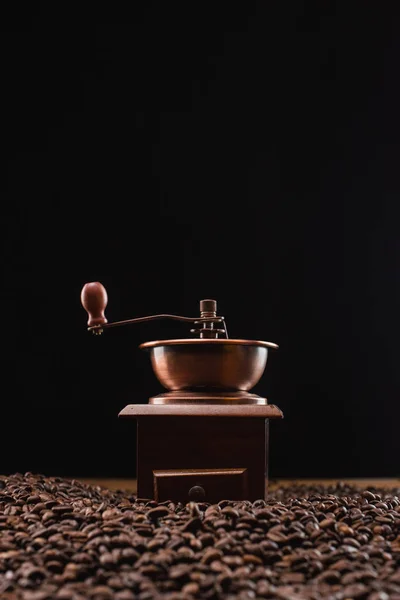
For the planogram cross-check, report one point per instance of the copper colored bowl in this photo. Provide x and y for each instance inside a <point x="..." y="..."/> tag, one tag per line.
<point x="215" y="364"/>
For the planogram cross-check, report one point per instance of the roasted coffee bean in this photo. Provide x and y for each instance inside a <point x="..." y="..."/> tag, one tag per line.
<point x="196" y="544"/>
<point x="207" y="539"/>
<point x="54" y="566"/>
<point x="193" y="524"/>
<point x="157" y="513"/>
<point x="230" y="512"/>
<point x="368" y="495"/>
<point x="191" y="588"/>
<point x="180" y="572"/>
<point x="211" y="555"/>
<point x="124" y="594"/>
<point x="252" y="559"/>
<point x="68" y="541"/>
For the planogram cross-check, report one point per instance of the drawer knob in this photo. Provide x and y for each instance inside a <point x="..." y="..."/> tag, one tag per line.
<point x="197" y="493"/>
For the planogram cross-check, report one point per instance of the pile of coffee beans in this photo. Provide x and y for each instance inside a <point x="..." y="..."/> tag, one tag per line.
<point x="66" y="540"/>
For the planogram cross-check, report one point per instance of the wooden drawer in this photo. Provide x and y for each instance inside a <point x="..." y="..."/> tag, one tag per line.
<point x="202" y="485"/>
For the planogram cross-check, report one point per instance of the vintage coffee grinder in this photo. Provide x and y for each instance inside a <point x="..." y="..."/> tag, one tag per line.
<point x="206" y="437"/>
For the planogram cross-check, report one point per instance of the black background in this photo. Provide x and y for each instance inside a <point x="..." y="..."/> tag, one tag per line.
<point x="175" y="151"/>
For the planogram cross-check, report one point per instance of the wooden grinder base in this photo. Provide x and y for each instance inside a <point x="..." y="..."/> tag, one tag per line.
<point x="202" y="452"/>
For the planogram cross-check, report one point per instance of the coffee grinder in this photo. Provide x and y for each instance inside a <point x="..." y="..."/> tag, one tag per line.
<point x="206" y="437"/>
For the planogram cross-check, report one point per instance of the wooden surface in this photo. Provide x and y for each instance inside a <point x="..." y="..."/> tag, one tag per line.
<point x="199" y="444"/>
<point x="269" y="411"/>
<point x="130" y="484"/>
<point x="207" y="485"/>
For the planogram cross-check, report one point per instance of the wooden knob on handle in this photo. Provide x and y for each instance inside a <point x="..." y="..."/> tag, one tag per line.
<point x="94" y="300"/>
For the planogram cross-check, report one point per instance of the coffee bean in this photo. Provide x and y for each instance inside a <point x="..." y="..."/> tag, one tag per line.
<point x="54" y="566"/>
<point x="196" y="544"/>
<point x="252" y="559"/>
<point x="59" y="509"/>
<point x="36" y="595"/>
<point x="368" y="495"/>
<point x="327" y="523"/>
<point x="192" y="525"/>
<point x="185" y="554"/>
<point x="157" y="513"/>
<point x="180" y="572"/>
<point x="207" y="539"/>
<point x="224" y="544"/>
<point x="124" y="595"/>
<point x="191" y="588"/>
<point x="230" y="512"/>
<point x="344" y="529"/>
<point x="342" y="565"/>
<point x="144" y="531"/>
<point x="65" y="540"/>
<point x="329" y="576"/>
<point x="292" y="578"/>
<point x="232" y="561"/>
<point x="107" y="560"/>
<point x="152" y="571"/>
<point x="194" y="509"/>
<point x="379" y="596"/>
<point x="357" y="590"/>
<point x="102" y="592"/>
<point x="211" y="555"/>
<point x="276" y="535"/>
